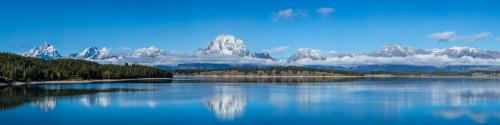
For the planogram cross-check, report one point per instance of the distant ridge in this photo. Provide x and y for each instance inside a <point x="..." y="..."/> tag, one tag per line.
<point x="227" y="49"/>
<point x="93" y="53"/>
<point x="305" y="53"/>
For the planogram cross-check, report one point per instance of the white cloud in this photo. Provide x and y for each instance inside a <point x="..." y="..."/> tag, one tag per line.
<point x="283" y="14"/>
<point x="172" y="59"/>
<point x="289" y="14"/>
<point x="325" y="11"/>
<point x="449" y="36"/>
<point x="422" y="60"/>
<point x="478" y="36"/>
<point x="277" y="49"/>
<point x="443" y="36"/>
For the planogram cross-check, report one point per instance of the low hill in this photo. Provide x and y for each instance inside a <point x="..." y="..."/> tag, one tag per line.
<point x="334" y="71"/>
<point x="265" y="71"/>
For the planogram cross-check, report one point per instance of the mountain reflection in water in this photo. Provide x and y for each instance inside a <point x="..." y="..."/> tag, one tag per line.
<point x="273" y="100"/>
<point x="226" y="106"/>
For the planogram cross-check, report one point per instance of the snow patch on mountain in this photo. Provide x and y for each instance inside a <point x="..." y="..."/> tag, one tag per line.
<point x="458" y="52"/>
<point x="394" y="50"/>
<point x="306" y="53"/>
<point x="150" y="52"/>
<point x="93" y="53"/>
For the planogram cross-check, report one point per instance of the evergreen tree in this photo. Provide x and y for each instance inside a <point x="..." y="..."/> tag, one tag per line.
<point x="16" y="67"/>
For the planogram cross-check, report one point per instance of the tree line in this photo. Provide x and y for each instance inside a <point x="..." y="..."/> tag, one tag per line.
<point x="19" y="68"/>
<point x="306" y="71"/>
<point x="266" y="71"/>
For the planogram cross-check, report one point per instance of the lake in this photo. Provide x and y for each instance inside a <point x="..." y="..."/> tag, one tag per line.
<point x="290" y="101"/>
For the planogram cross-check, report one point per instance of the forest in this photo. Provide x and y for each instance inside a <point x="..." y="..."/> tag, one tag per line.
<point x="18" y="68"/>
<point x="306" y="71"/>
<point x="266" y="71"/>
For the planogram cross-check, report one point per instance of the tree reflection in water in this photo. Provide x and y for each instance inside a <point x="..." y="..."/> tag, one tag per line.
<point x="264" y="79"/>
<point x="43" y="98"/>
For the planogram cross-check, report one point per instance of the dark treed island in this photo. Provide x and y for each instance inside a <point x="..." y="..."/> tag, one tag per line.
<point x="19" y="68"/>
<point x="312" y="71"/>
<point x="266" y="71"/>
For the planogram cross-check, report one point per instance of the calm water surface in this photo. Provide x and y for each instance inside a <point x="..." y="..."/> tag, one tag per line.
<point x="195" y="101"/>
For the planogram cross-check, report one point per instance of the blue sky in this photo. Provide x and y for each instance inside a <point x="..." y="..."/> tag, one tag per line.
<point x="185" y="25"/>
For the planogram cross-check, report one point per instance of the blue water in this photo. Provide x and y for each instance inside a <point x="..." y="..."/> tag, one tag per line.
<point x="456" y="101"/>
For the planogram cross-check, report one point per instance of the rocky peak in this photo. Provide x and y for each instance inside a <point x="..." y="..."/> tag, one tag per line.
<point x="45" y="51"/>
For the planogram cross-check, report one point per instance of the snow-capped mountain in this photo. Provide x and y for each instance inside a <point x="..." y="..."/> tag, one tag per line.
<point x="306" y="53"/>
<point x="93" y="53"/>
<point x="45" y="51"/>
<point x="227" y="49"/>
<point x="403" y="51"/>
<point x="228" y="45"/>
<point x="458" y="52"/>
<point x="225" y="45"/>
<point x="148" y="52"/>
<point x="394" y="50"/>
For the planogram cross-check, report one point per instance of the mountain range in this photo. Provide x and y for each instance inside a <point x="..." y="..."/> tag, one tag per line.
<point x="228" y="49"/>
<point x="409" y="68"/>
<point x="394" y="50"/>
<point x="150" y="52"/>
<point x="358" y="68"/>
<point x="93" y="53"/>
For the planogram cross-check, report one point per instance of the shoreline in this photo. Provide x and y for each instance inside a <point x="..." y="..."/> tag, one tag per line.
<point x="243" y="76"/>
<point x="92" y="81"/>
<point x="371" y="76"/>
